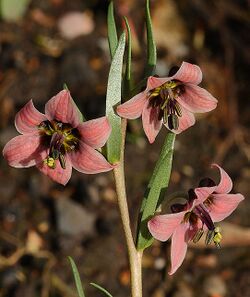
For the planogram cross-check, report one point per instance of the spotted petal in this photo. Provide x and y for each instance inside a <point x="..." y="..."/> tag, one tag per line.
<point x="88" y="160"/>
<point x="223" y="205"/>
<point x="178" y="247"/>
<point x="132" y="109"/>
<point x="58" y="174"/>
<point x="96" y="132"/>
<point x="188" y="73"/>
<point x="163" y="226"/>
<point x="24" y="151"/>
<point x="151" y="123"/>
<point x="28" y="118"/>
<point x="225" y="185"/>
<point x="63" y="109"/>
<point x="196" y="99"/>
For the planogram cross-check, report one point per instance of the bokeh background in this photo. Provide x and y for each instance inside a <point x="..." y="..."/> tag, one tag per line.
<point x="42" y="222"/>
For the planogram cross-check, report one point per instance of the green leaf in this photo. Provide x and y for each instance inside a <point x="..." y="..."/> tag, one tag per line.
<point x="77" y="278"/>
<point x="101" y="289"/>
<point x="112" y="32"/>
<point x="127" y="83"/>
<point x="13" y="10"/>
<point x="113" y="99"/>
<point x="151" y="48"/>
<point x="155" y="191"/>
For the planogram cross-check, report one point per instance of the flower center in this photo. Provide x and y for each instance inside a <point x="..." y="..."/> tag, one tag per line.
<point x="164" y="98"/>
<point x="61" y="139"/>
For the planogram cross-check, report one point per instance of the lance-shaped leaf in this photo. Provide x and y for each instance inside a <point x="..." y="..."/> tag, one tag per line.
<point x="77" y="278"/>
<point x="112" y="32"/>
<point x="151" y="48"/>
<point x="127" y="82"/>
<point x="101" y="289"/>
<point x="113" y="99"/>
<point x="155" y="191"/>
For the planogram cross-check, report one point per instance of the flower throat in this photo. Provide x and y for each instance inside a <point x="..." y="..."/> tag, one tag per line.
<point x="164" y="97"/>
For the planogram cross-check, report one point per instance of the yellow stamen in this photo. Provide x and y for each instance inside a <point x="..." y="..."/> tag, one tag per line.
<point x="50" y="162"/>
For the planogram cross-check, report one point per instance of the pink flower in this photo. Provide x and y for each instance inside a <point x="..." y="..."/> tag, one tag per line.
<point x="170" y="100"/>
<point x="59" y="140"/>
<point x="207" y="204"/>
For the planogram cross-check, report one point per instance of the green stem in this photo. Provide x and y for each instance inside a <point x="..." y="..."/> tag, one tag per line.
<point x="135" y="257"/>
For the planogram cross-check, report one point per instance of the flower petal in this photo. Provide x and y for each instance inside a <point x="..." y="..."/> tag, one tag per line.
<point x="151" y="123"/>
<point x="154" y="82"/>
<point x="225" y="185"/>
<point x="162" y="226"/>
<point x="202" y="194"/>
<point x="63" y="109"/>
<point x="188" y="73"/>
<point x="186" y="120"/>
<point x="178" y="247"/>
<point x="28" y="118"/>
<point x="58" y="174"/>
<point x="132" y="109"/>
<point x="96" y="132"/>
<point x="223" y="205"/>
<point x="24" y="151"/>
<point x="196" y="99"/>
<point x="88" y="160"/>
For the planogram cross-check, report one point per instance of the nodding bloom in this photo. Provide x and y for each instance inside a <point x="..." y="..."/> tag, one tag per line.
<point x="58" y="140"/>
<point x="171" y="100"/>
<point x="206" y="205"/>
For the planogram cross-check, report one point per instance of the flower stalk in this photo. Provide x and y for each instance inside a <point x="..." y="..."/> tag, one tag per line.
<point x="135" y="257"/>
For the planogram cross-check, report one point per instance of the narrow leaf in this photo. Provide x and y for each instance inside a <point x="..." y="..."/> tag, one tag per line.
<point x="112" y="32"/>
<point x="155" y="191"/>
<point x="151" y="48"/>
<point x="13" y="10"/>
<point x="127" y="83"/>
<point x="77" y="278"/>
<point x="113" y="98"/>
<point x="101" y="289"/>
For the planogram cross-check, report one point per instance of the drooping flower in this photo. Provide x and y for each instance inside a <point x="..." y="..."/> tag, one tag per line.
<point x="58" y="140"/>
<point x="171" y="100"/>
<point x="206" y="205"/>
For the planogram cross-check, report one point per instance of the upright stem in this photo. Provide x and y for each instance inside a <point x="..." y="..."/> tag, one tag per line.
<point x="135" y="257"/>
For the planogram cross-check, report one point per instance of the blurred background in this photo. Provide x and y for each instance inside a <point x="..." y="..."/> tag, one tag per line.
<point x="44" y="44"/>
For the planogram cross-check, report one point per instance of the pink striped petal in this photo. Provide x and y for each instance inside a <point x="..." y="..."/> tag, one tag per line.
<point x="154" y="82"/>
<point x="24" y="151"/>
<point x="151" y="123"/>
<point x="223" y="205"/>
<point x="58" y="174"/>
<point x="132" y="109"/>
<point x="202" y="194"/>
<point x="188" y="73"/>
<point x="87" y="160"/>
<point x="162" y="226"/>
<point x="96" y="132"/>
<point x="186" y="120"/>
<point x="28" y="118"/>
<point x="225" y="185"/>
<point x="178" y="247"/>
<point x="196" y="99"/>
<point x="63" y="109"/>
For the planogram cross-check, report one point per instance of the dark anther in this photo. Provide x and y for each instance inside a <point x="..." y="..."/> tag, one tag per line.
<point x="207" y="182"/>
<point x="173" y="122"/>
<point x="62" y="161"/>
<point x="173" y="70"/>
